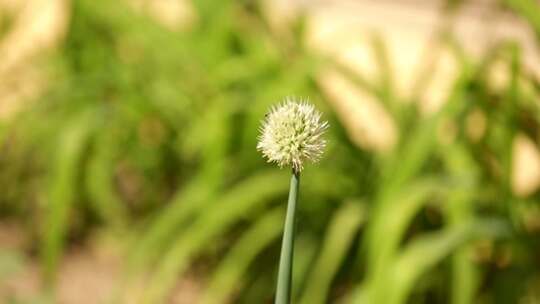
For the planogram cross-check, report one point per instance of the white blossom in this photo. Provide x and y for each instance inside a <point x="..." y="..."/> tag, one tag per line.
<point x="292" y="133"/>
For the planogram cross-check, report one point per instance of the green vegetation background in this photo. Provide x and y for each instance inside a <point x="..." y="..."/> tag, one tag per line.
<point x="150" y="135"/>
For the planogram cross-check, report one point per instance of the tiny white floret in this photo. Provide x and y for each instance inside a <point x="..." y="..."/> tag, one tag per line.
<point x="292" y="133"/>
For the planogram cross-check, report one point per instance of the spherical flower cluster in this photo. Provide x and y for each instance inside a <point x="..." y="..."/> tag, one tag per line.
<point x="291" y="134"/>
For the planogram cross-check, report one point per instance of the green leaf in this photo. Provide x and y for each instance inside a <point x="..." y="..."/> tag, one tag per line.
<point x="187" y="202"/>
<point x="393" y="218"/>
<point x="228" y="274"/>
<point x="210" y="136"/>
<point x="426" y="251"/>
<point x="341" y="231"/>
<point x="63" y="188"/>
<point x="459" y="210"/>
<point x="387" y="228"/>
<point x="529" y="9"/>
<point x="100" y="182"/>
<point x="231" y="207"/>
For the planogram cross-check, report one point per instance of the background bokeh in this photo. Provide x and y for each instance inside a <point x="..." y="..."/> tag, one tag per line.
<point x="129" y="174"/>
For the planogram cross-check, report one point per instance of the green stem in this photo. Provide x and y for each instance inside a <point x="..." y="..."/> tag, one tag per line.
<point x="284" y="282"/>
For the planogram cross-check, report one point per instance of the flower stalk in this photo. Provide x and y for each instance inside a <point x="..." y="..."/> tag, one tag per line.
<point x="284" y="283"/>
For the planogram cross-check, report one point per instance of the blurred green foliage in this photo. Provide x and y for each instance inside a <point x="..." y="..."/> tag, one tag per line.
<point x="151" y="133"/>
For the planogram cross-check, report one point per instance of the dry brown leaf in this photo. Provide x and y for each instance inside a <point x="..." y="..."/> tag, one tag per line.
<point x="525" y="166"/>
<point x="366" y="121"/>
<point x="38" y="27"/>
<point x="172" y="14"/>
<point x="342" y="29"/>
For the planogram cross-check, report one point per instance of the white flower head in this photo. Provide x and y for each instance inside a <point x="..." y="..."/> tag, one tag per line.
<point x="292" y="133"/>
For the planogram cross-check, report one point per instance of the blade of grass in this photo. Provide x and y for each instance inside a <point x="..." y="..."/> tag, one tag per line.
<point x="228" y="274"/>
<point x="428" y="250"/>
<point x="337" y="241"/>
<point x="392" y="222"/>
<point x="213" y="133"/>
<point x="460" y="210"/>
<point x="182" y="207"/>
<point x="63" y="188"/>
<point x="235" y="204"/>
<point x="100" y="182"/>
<point x="529" y="9"/>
